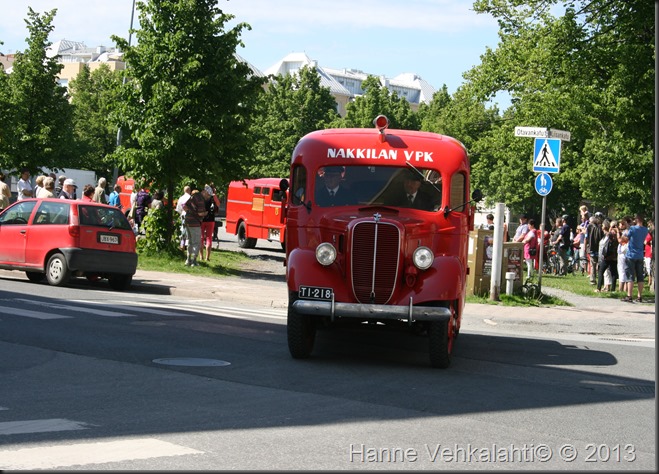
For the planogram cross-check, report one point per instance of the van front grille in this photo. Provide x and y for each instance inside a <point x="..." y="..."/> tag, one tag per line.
<point x="375" y="253"/>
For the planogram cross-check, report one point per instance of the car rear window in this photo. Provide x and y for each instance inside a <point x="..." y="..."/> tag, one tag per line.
<point x="52" y="213"/>
<point x="110" y="217"/>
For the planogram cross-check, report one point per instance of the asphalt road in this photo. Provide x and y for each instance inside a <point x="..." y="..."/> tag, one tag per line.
<point x="85" y="384"/>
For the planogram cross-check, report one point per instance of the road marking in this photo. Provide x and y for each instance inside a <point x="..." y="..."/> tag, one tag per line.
<point x="82" y="454"/>
<point x="40" y="426"/>
<point x="138" y="307"/>
<point x="77" y="309"/>
<point x="31" y="314"/>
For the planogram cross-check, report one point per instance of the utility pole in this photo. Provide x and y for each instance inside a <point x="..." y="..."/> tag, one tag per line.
<point x="115" y="172"/>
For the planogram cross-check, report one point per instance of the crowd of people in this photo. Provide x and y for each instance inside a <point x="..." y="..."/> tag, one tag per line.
<point x="197" y="207"/>
<point x="608" y="251"/>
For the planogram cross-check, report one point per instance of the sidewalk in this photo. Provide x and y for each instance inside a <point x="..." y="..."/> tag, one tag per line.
<point x="589" y="316"/>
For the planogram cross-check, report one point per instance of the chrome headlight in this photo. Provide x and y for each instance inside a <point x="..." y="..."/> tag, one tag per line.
<point x="325" y="254"/>
<point x="423" y="258"/>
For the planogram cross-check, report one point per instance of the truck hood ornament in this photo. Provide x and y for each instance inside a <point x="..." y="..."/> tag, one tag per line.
<point x="377" y="216"/>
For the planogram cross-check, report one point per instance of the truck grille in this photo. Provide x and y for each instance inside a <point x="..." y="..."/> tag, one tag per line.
<point x="375" y="251"/>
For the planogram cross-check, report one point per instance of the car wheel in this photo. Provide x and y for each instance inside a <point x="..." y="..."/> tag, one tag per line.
<point x="245" y="242"/>
<point x="57" y="270"/>
<point x="301" y="331"/>
<point x="35" y="277"/>
<point x="120" y="282"/>
<point x="440" y="344"/>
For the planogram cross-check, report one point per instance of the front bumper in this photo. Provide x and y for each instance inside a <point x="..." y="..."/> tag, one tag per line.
<point x="376" y="312"/>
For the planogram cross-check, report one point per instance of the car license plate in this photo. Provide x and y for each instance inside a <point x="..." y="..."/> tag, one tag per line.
<point x="315" y="293"/>
<point x="108" y="239"/>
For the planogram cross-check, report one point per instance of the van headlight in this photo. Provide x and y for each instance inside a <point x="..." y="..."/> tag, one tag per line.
<point x="423" y="258"/>
<point x="325" y="254"/>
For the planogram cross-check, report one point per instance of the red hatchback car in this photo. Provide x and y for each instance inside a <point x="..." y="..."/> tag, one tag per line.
<point x="58" y="239"/>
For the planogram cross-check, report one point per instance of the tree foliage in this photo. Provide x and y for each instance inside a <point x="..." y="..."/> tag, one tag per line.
<point x="35" y="115"/>
<point x="189" y="99"/>
<point x="586" y="66"/>
<point x="378" y="100"/>
<point x="94" y="97"/>
<point x="292" y="106"/>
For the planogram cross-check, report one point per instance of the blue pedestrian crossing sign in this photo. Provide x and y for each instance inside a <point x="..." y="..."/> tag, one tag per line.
<point x="547" y="155"/>
<point x="543" y="184"/>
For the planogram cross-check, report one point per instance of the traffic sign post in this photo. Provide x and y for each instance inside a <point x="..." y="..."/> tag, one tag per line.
<point x="543" y="184"/>
<point x="547" y="155"/>
<point x="546" y="159"/>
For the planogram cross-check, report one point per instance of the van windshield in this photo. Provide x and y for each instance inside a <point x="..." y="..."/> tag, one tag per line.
<point x="417" y="188"/>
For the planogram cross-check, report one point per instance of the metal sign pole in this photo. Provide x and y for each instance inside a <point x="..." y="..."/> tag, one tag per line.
<point x="542" y="241"/>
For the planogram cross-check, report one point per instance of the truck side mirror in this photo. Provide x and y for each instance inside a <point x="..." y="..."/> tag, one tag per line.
<point x="283" y="185"/>
<point x="477" y="195"/>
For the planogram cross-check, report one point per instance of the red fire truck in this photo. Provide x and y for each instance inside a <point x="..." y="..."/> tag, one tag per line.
<point x="254" y="211"/>
<point x="375" y="255"/>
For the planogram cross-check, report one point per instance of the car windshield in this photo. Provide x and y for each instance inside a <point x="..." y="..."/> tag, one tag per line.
<point x="110" y="217"/>
<point x="417" y="188"/>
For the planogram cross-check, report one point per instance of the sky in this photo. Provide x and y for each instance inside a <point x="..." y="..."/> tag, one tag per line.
<point x="438" y="40"/>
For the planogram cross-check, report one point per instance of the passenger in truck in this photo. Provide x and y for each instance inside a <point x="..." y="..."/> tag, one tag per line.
<point x="330" y="191"/>
<point x="411" y="195"/>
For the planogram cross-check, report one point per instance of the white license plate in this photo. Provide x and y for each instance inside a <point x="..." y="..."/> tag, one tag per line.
<point x="316" y="293"/>
<point x="108" y="239"/>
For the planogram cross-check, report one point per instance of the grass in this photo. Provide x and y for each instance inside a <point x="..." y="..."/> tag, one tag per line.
<point x="519" y="300"/>
<point x="222" y="263"/>
<point x="580" y="285"/>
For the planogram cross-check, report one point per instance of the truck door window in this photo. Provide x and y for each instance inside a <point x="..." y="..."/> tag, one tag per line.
<point x="458" y="189"/>
<point x="298" y="189"/>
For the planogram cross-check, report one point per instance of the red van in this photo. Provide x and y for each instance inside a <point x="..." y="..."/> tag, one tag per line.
<point x="392" y="250"/>
<point x="254" y="211"/>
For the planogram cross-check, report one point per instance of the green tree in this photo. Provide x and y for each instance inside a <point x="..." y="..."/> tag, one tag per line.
<point x="292" y="106"/>
<point x="94" y="97"/>
<point x="35" y="112"/>
<point x="189" y="99"/>
<point x="588" y="69"/>
<point x="378" y="100"/>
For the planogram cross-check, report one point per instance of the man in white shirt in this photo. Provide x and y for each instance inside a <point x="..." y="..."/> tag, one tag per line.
<point x="24" y="187"/>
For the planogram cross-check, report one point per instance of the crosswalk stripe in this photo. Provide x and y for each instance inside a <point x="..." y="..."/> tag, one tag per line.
<point x="77" y="309"/>
<point x="81" y="454"/>
<point x="32" y="314"/>
<point x="40" y="426"/>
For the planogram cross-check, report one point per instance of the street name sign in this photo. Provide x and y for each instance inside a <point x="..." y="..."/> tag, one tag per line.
<point x="541" y="132"/>
<point x="543" y="184"/>
<point x="547" y="155"/>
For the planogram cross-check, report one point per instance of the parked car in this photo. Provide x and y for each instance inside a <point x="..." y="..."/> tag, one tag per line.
<point x="57" y="239"/>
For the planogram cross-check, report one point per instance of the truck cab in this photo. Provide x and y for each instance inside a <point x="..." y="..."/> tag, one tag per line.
<point x="377" y="226"/>
<point x="254" y="211"/>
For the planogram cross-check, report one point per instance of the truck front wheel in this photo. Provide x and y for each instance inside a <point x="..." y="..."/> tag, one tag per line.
<point x="245" y="242"/>
<point x="301" y="331"/>
<point x="440" y="344"/>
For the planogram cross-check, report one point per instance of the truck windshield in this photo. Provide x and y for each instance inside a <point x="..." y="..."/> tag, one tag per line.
<point x="409" y="187"/>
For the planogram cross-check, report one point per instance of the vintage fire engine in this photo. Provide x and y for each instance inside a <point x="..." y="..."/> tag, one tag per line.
<point x="390" y="245"/>
<point x="254" y="211"/>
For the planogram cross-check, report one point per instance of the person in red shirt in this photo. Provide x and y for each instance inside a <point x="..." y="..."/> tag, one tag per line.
<point x="88" y="193"/>
<point x="648" y="254"/>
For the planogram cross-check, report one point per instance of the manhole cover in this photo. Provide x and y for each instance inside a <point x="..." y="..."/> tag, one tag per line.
<point x="192" y="362"/>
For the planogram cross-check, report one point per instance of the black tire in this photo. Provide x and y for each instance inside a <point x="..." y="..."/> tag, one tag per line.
<point x="245" y="242"/>
<point x="35" y="277"/>
<point x="439" y="344"/>
<point x="120" y="282"/>
<point x="301" y="331"/>
<point x="57" y="270"/>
